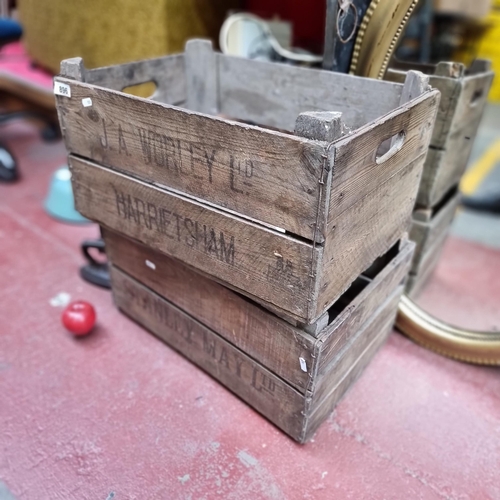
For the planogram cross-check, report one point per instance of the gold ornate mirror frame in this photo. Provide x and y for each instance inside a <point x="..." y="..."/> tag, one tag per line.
<point x="376" y="40"/>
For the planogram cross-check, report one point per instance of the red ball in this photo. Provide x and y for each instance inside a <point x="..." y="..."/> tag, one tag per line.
<point x="79" y="318"/>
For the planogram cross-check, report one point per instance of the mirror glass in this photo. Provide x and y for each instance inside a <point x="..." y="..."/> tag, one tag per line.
<point x="463" y="287"/>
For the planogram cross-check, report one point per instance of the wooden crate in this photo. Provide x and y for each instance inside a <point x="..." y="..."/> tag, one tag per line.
<point x="288" y="218"/>
<point x="291" y="376"/>
<point x="429" y="231"/>
<point x="464" y="95"/>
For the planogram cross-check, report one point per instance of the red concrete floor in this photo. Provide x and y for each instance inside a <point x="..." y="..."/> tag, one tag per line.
<point x="120" y="415"/>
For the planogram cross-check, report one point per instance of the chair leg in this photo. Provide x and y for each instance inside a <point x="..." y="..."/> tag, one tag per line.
<point x="8" y="166"/>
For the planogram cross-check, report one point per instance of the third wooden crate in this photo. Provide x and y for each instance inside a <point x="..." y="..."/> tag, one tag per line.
<point x="464" y="93"/>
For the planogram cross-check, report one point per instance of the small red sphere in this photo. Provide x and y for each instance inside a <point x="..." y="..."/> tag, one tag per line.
<point x="79" y="318"/>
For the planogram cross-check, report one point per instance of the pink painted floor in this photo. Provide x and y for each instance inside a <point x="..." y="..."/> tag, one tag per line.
<point x="119" y="415"/>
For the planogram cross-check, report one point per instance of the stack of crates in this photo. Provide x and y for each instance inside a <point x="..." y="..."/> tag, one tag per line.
<point x="255" y="214"/>
<point x="464" y="94"/>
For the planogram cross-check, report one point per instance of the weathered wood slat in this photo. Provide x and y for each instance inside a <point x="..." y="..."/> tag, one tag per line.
<point x="167" y="73"/>
<point x="201" y="77"/>
<point x="365" y="335"/>
<point x="367" y="229"/>
<point x="274" y="94"/>
<point x="364" y="305"/>
<point x="259" y="262"/>
<point x="249" y="380"/>
<point x="264" y="337"/>
<point x="426" y="233"/>
<point x="339" y="391"/>
<point x="415" y="84"/>
<point x="430" y="259"/>
<point x="357" y="171"/>
<point x="262" y="262"/>
<point x="443" y="169"/>
<point x="266" y="175"/>
<point x="252" y="382"/>
<point x="463" y="97"/>
<point x="473" y="99"/>
<point x="458" y="92"/>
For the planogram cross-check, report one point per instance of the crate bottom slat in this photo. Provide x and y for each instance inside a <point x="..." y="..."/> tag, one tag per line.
<point x="416" y="282"/>
<point x="293" y="412"/>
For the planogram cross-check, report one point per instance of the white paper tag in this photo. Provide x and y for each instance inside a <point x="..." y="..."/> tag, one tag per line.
<point x="303" y="365"/>
<point x="62" y="89"/>
<point x="151" y="265"/>
<point x="87" y="102"/>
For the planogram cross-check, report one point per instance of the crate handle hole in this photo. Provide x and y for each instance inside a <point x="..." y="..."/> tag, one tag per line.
<point x="145" y="89"/>
<point x="389" y="147"/>
<point x="476" y="96"/>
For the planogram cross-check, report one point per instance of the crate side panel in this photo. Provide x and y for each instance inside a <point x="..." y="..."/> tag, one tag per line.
<point x="250" y="381"/>
<point x="358" y="312"/>
<point x="266" y="175"/>
<point x="322" y="412"/>
<point x="470" y="105"/>
<point x="352" y="350"/>
<point x="425" y="234"/>
<point x="357" y="171"/>
<point x="260" y="334"/>
<point x="367" y="230"/>
<point x="274" y="94"/>
<point x="167" y="73"/>
<point x="267" y="264"/>
<point x="416" y="282"/>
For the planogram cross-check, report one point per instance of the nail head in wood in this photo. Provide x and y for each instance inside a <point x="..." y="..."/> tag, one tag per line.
<point x="319" y="125"/>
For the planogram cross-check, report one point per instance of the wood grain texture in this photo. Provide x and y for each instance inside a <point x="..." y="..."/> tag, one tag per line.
<point x="415" y="84"/>
<point x="269" y="176"/>
<point x="430" y="259"/>
<point x="255" y="384"/>
<point x="262" y="335"/>
<point x="371" y="201"/>
<point x="450" y="91"/>
<point x="368" y="229"/>
<point x="201" y="77"/>
<point x="256" y="261"/>
<point x="346" y="382"/>
<point x="364" y="305"/>
<point x="357" y="172"/>
<point x="463" y="97"/>
<point x="357" y="344"/>
<point x="262" y="262"/>
<point x="274" y="94"/>
<point x="473" y="98"/>
<point x="167" y="73"/>
<point x="444" y="168"/>
<point x="249" y="380"/>
<point x="425" y="234"/>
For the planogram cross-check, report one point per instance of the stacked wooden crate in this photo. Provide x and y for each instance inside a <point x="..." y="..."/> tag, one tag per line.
<point x="464" y="95"/>
<point x="272" y="255"/>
